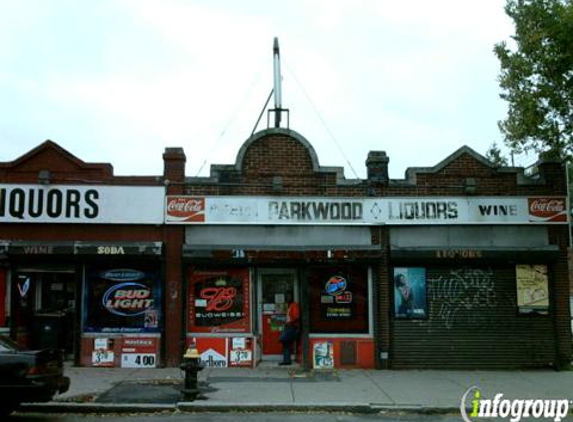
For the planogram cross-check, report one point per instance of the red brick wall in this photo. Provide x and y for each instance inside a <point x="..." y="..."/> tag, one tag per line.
<point x="278" y="154"/>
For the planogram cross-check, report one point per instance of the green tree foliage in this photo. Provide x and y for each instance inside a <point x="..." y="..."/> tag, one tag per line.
<point x="494" y="155"/>
<point x="537" y="77"/>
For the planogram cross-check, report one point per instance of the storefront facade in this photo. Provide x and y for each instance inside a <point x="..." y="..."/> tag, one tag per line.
<point x="459" y="265"/>
<point x="82" y="263"/>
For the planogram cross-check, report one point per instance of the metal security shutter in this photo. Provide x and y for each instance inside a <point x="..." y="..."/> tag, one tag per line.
<point x="473" y="322"/>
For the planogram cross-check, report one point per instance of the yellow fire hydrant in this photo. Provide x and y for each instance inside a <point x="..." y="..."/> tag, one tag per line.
<point x="191" y="365"/>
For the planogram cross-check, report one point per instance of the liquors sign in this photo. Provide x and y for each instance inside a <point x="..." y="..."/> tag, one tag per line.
<point x="81" y="204"/>
<point x="364" y="211"/>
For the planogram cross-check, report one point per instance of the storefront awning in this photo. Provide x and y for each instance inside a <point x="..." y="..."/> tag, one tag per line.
<point x="46" y="248"/>
<point x="42" y="248"/>
<point x="118" y="248"/>
<point x="542" y="253"/>
<point x="281" y="253"/>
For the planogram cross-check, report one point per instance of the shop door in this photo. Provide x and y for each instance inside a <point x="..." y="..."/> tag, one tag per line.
<point x="273" y="287"/>
<point x="47" y="306"/>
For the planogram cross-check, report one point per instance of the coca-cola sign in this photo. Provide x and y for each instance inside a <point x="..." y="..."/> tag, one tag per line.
<point x="182" y="209"/>
<point x="547" y="209"/>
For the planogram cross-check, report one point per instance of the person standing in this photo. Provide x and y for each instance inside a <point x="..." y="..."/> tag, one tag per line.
<point x="291" y="328"/>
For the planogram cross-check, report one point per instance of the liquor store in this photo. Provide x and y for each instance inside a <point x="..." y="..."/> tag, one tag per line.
<point x="425" y="272"/>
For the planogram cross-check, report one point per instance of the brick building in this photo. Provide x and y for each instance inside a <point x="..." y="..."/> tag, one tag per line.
<point x="72" y="232"/>
<point x="459" y="265"/>
<point x="429" y="271"/>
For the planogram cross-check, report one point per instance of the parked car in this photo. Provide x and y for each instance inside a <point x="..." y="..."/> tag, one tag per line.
<point x="29" y="375"/>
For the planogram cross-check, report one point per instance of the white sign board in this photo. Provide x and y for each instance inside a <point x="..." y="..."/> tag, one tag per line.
<point x="138" y="360"/>
<point x="102" y="358"/>
<point x="83" y="204"/>
<point x="365" y="211"/>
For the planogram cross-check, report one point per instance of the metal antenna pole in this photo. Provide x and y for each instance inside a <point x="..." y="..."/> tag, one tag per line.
<point x="277" y="82"/>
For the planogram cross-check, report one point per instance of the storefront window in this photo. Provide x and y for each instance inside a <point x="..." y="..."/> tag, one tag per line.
<point x="3" y="299"/>
<point x="122" y="300"/>
<point x="338" y="300"/>
<point x="219" y="301"/>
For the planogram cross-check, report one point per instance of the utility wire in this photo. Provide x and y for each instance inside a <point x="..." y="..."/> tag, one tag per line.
<point x="234" y="114"/>
<point x="322" y="120"/>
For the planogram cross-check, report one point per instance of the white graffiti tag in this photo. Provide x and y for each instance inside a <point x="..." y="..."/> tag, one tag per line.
<point x="463" y="290"/>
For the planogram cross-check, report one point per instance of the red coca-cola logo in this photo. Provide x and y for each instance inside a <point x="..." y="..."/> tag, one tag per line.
<point x="185" y="209"/>
<point x="547" y="209"/>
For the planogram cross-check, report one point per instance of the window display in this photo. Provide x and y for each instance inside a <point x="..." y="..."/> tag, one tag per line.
<point x="219" y="301"/>
<point x="122" y="300"/>
<point x="338" y="300"/>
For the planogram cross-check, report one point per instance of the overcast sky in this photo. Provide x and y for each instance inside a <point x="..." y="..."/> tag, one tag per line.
<point x="119" y="80"/>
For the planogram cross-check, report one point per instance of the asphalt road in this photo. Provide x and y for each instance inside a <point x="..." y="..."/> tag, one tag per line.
<point x="243" y="417"/>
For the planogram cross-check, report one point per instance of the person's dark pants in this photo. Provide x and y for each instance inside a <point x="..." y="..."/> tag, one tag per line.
<point x="287" y="338"/>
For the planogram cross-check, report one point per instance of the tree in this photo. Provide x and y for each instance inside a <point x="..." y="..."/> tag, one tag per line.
<point x="537" y="77"/>
<point x="494" y="155"/>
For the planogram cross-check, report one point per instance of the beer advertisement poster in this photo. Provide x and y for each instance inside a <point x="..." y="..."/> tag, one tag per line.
<point x="219" y="301"/>
<point x="122" y="300"/>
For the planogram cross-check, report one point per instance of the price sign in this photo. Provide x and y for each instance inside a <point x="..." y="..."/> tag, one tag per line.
<point x="240" y="356"/>
<point x="102" y="358"/>
<point x="138" y="360"/>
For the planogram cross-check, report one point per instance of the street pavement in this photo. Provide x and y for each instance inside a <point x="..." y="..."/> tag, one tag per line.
<point x="274" y="388"/>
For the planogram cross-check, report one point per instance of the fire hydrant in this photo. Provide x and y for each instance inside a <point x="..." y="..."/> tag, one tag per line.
<point x="191" y="365"/>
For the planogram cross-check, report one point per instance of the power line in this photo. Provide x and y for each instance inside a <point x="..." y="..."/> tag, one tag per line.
<point x="234" y="114"/>
<point x="322" y="120"/>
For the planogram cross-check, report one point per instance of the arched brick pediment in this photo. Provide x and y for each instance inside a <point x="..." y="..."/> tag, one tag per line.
<point x="278" y="152"/>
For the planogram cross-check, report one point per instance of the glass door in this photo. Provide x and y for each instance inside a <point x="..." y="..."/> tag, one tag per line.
<point x="273" y="288"/>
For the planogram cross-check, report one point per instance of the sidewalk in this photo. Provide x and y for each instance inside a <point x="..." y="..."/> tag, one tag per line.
<point x="278" y="388"/>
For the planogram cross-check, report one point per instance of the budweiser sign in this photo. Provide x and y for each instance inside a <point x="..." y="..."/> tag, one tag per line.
<point x="547" y="209"/>
<point x="180" y="209"/>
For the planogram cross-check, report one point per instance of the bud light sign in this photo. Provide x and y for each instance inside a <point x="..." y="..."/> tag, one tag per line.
<point x="122" y="300"/>
<point x="128" y="299"/>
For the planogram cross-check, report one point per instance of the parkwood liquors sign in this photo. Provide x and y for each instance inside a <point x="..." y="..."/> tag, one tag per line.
<point x="81" y="204"/>
<point x="365" y="211"/>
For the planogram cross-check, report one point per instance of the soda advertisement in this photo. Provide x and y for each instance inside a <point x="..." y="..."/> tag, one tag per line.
<point x="219" y="301"/>
<point x="410" y="293"/>
<point x="122" y="300"/>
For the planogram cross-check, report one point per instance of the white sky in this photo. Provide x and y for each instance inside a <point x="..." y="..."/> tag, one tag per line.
<point x="119" y="80"/>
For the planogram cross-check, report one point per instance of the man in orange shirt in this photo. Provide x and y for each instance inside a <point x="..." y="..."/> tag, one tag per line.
<point x="291" y="328"/>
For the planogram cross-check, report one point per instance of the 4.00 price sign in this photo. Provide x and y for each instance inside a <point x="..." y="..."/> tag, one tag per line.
<point x="138" y="360"/>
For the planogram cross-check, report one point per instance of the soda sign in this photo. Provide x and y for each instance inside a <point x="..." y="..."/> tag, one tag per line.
<point x="547" y="209"/>
<point x="181" y="209"/>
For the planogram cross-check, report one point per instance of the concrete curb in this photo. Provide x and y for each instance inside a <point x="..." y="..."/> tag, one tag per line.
<point x="68" y="407"/>
<point x="275" y="407"/>
<point x="203" y="406"/>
